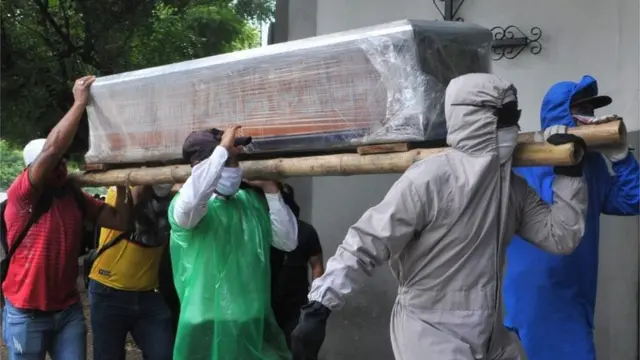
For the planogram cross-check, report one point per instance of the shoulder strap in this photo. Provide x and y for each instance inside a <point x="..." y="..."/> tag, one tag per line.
<point x="3" y="229"/>
<point x="80" y="198"/>
<point x="112" y="242"/>
<point x="35" y="215"/>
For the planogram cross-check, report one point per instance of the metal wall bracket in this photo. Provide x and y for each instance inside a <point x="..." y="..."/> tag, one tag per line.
<point x="509" y="42"/>
<point x="450" y="10"/>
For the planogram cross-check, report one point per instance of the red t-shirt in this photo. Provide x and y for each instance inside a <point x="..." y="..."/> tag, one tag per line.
<point x="43" y="270"/>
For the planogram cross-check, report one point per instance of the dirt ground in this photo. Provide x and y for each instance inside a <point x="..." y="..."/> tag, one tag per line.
<point x="132" y="351"/>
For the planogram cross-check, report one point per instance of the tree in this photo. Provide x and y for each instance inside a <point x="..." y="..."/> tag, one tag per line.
<point x="46" y="44"/>
<point x="10" y="166"/>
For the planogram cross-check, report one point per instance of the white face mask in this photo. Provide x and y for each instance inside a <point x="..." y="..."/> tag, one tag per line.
<point x="507" y="141"/>
<point x="162" y="190"/>
<point x="230" y="180"/>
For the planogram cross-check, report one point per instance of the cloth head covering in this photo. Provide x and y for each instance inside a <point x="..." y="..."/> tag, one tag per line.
<point x="32" y="150"/>
<point x="199" y="145"/>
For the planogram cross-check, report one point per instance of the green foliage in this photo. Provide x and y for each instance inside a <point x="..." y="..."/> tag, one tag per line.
<point x="47" y="44"/>
<point x="11" y="164"/>
<point x="195" y="32"/>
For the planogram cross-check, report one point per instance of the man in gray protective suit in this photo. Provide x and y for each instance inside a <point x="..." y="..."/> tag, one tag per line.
<point x="444" y="227"/>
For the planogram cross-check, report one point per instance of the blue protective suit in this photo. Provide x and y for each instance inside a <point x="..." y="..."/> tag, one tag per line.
<point x="550" y="299"/>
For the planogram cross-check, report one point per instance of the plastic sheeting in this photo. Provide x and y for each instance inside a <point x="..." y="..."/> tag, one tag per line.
<point x="221" y="272"/>
<point x="373" y="85"/>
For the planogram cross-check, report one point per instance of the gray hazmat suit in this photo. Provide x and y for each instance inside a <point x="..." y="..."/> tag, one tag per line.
<point x="444" y="227"/>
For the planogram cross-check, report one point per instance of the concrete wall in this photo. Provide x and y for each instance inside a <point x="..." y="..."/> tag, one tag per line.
<point x="579" y="36"/>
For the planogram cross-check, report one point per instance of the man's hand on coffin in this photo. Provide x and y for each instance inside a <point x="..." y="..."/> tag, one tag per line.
<point x="267" y="186"/>
<point x="228" y="140"/>
<point x="81" y="89"/>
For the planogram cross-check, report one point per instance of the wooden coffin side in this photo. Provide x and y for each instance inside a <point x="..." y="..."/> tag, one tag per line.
<point x="334" y="92"/>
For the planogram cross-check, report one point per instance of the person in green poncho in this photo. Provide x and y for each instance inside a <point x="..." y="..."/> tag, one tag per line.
<point x="221" y="234"/>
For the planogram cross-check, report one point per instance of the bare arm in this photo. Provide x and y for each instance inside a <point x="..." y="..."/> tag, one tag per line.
<point x="61" y="136"/>
<point x="317" y="266"/>
<point x="118" y="217"/>
<point x="140" y="193"/>
<point x="315" y="251"/>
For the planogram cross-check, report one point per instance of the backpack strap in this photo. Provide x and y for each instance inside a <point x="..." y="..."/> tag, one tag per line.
<point x="80" y="198"/>
<point x="3" y="229"/>
<point x="111" y="243"/>
<point x="91" y="257"/>
<point x="35" y="216"/>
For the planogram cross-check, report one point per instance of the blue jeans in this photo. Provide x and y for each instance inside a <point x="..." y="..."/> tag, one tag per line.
<point x="144" y="314"/>
<point x="30" y="334"/>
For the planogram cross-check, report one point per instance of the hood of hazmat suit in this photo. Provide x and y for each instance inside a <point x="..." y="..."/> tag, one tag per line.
<point x="221" y="274"/>
<point x="444" y="227"/>
<point x="549" y="299"/>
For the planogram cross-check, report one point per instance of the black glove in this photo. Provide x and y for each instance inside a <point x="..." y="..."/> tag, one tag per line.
<point x="581" y="147"/>
<point x="308" y="336"/>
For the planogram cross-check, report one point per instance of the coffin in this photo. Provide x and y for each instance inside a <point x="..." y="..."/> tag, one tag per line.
<point x="378" y="84"/>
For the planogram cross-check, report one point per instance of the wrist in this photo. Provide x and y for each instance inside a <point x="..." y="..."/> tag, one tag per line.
<point x="570" y="171"/>
<point x="620" y="155"/>
<point x="270" y="188"/>
<point x="79" y="105"/>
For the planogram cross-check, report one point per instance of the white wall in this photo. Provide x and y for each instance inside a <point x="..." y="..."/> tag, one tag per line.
<point x="600" y="38"/>
<point x="579" y="36"/>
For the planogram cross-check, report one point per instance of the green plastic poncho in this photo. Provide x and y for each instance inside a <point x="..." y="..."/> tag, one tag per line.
<point x="222" y="276"/>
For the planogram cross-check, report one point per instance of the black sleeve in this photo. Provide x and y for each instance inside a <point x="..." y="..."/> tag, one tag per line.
<point x="313" y="241"/>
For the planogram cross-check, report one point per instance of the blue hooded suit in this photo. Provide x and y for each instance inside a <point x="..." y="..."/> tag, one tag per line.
<point x="550" y="299"/>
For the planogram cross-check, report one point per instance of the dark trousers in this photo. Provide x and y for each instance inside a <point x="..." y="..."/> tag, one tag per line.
<point x="287" y="313"/>
<point x="168" y="289"/>
<point x="144" y="314"/>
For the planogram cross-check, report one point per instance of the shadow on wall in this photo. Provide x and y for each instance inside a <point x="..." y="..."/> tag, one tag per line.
<point x="361" y="330"/>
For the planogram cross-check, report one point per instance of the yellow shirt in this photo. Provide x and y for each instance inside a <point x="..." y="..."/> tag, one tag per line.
<point x="126" y="265"/>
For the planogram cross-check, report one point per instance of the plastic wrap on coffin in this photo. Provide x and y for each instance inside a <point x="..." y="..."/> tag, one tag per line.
<point x="374" y="85"/>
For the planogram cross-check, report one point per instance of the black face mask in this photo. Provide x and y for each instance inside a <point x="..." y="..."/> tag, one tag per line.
<point x="508" y="115"/>
<point x="583" y="109"/>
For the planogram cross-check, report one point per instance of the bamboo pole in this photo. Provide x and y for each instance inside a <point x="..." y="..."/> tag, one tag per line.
<point x="608" y="133"/>
<point x="326" y="165"/>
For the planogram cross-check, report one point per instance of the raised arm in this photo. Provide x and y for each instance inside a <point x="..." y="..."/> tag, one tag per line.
<point x="120" y="216"/>
<point x="556" y="228"/>
<point x="284" y="224"/>
<point x="60" y="138"/>
<point x="191" y="205"/>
